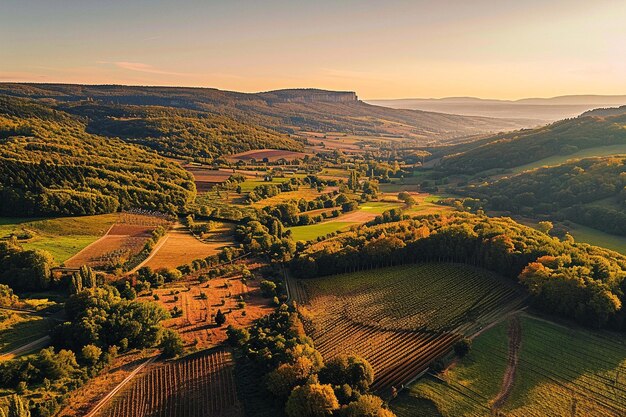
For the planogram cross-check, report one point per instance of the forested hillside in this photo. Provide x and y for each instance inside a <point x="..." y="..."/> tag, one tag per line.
<point x="589" y="191"/>
<point x="49" y="165"/>
<point x="518" y="148"/>
<point x="286" y="111"/>
<point x="178" y="132"/>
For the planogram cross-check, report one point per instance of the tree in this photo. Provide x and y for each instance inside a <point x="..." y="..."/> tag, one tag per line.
<point x="353" y="182"/>
<point x="268" y="288"/>
<point x="283" y="379"/>
<point x="171" y="343"/>
<point x="367" y="406"/>
<point x="312" y="400"/>
<point x="352" y="370"/>
<point x="462" y="347"/>
<point x="545" y="227"/>
<point x="91" y="354"/>
<point x="220" y="318"/>
<point x="17" y="407"/>
<point x="237" y="336"/>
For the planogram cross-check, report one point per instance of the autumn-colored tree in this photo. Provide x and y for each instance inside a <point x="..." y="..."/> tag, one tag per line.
<point x="312" y="400"/>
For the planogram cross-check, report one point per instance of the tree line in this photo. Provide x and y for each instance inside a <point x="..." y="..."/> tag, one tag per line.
<point x="578" y="281"/>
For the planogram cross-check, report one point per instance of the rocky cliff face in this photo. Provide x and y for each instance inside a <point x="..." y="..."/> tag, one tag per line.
<point x="309" y="96"/>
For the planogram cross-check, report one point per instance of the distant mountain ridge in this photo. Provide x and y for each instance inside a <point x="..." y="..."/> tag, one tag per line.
<point x="290" y="111"/>
<point x="548" y="109"/>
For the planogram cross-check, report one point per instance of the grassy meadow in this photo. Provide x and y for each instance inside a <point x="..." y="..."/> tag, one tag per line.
<point x="561" y="371"/>
<point x="584" y="153"/>
<point x="313" y="231"/>
<point x="63" y="237"/>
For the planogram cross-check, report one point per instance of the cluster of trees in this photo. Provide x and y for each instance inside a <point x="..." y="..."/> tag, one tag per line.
<point x="57" y="371"/>
<point x="294" y="213"/>
<point x="585" y="283"/>
<point x="25" y="270"/>
<point x="263" y="191"/>
<point x="567" y="191"/>
<point x="100" y="323"/>
<point x="266" y="240"/>
<point x="509" y="150"/>
<point x="59" y="168"/>
<point x="100" y="316"/>
<point x="296" y="376"/>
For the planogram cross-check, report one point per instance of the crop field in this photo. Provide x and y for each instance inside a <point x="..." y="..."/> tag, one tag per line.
<point x="199" y="385"/>
<point x="272" y="155"/>
<point x="401" y="319"/>
<point x="205" y="178"/>
<point x="63" y="237"/>
<point x="200" y="302"/>
<point x="303" y="192"/>
<point x="560" y="371"/>
<point x="313" y="231"/>
<point x="121" y="242"/>
<point x="179" y="247"/>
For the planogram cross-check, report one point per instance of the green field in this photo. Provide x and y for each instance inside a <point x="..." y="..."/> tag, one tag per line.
<point x="585" y="153"/>
<point x="378" y="207"/>
<point x="598" y="238"/>
<point x="313" y="231"/>
<point x="18" y="329"/>
<point x="63" y="237"/>
<point x="560" y="369"/>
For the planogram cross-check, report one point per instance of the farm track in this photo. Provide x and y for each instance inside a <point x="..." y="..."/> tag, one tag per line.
<point x="515" y="341"/>
<point x="197" y="386"/>
<point x="40" y="343"/>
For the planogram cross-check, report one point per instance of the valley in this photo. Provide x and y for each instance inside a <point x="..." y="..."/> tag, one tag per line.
<point x="184" y="262"/>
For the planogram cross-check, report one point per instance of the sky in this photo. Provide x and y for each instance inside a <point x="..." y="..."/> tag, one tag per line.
<point x="380" y="49"/>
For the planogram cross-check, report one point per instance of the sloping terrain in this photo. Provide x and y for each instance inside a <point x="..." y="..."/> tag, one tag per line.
<point x="49" y="164"/>
<point x="510" y="150"/>
<point x="590" y="191"/>
<point x="287" y="111"/>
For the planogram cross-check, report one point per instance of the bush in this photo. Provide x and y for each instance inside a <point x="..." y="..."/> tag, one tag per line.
<point x="171" y="343"/>
<point x="462" y="347"/>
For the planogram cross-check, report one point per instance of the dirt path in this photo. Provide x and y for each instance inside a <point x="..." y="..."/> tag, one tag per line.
<point x="29" y="347"/>
<point x="121" y="385"/>
<point x="515" y="341"/>
<point x="154" y="252"/>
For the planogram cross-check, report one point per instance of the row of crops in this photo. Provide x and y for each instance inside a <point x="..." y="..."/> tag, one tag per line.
<point x="561" y="371"/>
<point x="402" y="319"/>
<point x="200" y="385"/>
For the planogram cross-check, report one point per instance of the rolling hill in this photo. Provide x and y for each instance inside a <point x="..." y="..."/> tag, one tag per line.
<point x="547" y="109"/>
<point x="590" y="191"/>
<point x="510" y="150"/>
<point x="49" y="165"/>
<point x="285" y="111"/>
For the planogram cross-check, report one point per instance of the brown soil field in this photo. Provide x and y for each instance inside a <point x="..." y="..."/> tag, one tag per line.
<point x="357" y="216"/>
<point x="271" y="155"/>
<point x="196" y="325"/>
<point x="82" y="400"/>
<point x="179" y="247"/>
<point x="121" y="242"/>
<point x="205" y="178"/>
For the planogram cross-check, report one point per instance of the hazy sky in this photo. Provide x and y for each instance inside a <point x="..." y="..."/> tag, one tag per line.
<point x="380" y="49"/>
